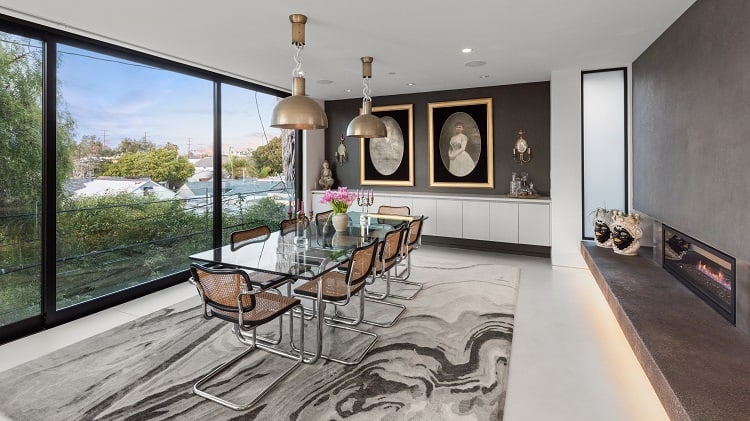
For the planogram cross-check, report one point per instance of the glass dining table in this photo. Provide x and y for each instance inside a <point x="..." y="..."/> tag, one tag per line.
<point x="304" y="254"/>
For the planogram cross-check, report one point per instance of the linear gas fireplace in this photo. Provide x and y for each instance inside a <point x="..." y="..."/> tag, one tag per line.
<point x="708" y="272"/>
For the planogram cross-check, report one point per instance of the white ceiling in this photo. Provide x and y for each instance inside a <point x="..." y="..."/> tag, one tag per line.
<point x="417" y="41"/>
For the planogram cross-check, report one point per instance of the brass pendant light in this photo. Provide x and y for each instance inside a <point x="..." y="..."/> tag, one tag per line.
<point x="298" y="111"/>
<point x="366" y="124"/>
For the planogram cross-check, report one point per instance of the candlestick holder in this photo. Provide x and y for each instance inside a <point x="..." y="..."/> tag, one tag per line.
<point x="365" y="201"/>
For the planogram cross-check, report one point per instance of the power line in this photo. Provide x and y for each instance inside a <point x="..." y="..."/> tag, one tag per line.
<point x="257" y="107"/>
<point x="111" y="60"/>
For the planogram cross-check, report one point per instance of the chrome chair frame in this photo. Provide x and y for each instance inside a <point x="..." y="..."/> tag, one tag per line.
<point x="334" y="321"/>
<point x="412" y="240"/>
<point x="387" y="255"/>
<point x="242" y="325"/>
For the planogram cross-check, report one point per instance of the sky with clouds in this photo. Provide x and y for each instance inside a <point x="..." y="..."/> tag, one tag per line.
<point x="128" y="99"/>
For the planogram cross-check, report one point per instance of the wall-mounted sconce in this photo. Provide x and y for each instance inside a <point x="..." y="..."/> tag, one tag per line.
<point x="521" y="150"/>
<point x="341" y="156"/>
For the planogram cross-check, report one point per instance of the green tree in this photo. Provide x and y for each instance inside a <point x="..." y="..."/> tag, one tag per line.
<point x="21" y="126"/>
<point x="238" y="166"/>
<point x="267" y="158"/>
<point x="129" y="145"/>
<point x="161" y="165"/>
<point x="91" y="146"/>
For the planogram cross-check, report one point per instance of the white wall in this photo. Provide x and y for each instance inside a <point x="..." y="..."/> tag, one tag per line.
<point x="565" y="167"/>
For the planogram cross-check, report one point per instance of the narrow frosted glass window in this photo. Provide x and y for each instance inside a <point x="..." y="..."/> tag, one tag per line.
<point x="604" y="143"/>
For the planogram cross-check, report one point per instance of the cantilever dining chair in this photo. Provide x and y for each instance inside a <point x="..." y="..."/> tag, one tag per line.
<point x="228" y="294"/>
<point x="338" y="288"/>
<point x="411" y="242"/>
<point x="388" y="255"/>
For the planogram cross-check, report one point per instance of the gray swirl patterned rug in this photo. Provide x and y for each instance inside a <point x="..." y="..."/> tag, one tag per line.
<point x="446" y="359"/>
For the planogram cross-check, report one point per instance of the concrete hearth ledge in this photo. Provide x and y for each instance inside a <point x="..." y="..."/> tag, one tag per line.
<point x="697" y="362"/>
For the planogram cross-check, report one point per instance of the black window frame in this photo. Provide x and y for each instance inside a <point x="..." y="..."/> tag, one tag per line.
<point x="584" y="216"/>
<point x="50" y="37"/>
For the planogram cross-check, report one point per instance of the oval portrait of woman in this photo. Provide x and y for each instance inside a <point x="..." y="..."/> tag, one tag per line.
<point x="460" y="144"/>
<point x="387" y="152"/>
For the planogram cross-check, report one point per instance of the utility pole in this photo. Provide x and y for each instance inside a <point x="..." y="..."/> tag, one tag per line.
<point x="104" y="137"/>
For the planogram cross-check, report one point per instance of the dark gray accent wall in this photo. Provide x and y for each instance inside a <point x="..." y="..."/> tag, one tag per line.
<point x="522" y="106"/>
<point x="691" y="125"/>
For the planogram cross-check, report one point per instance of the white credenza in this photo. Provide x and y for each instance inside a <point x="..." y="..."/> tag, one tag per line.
<point x="487" y="218"/>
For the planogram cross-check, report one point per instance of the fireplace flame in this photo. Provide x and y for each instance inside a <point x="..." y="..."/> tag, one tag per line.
<point x="717" y="277"/>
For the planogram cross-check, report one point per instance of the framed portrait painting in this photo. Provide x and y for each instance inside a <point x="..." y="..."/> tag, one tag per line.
<point x="389" y="161"/>
<point x="460" y="143"/>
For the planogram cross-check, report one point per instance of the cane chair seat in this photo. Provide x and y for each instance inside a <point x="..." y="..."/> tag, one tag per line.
<point x="267" y="307"/>
<point x="334" y="287"/>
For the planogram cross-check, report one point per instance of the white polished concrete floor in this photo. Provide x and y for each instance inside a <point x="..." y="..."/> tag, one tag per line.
<point x="570" y="360"/>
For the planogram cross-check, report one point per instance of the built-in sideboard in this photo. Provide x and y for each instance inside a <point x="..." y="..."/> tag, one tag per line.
<point x="474" y="217"/>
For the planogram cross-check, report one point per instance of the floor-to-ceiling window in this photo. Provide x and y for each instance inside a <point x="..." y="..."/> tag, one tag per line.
<point x="20" y="177"/>
<point x="604" y="103"/>
<point x="108" y="160"/>
<point x="255" y="187"/>
<point x="127" y="128"/>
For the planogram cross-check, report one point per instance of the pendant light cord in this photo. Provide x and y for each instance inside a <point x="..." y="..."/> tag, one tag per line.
<point x="297" y="72"/>
<point x="366" y="91"/>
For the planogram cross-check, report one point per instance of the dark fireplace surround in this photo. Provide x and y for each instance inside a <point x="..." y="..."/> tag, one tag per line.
<point x="710" y="273"/>
<point x="729" y="297"/>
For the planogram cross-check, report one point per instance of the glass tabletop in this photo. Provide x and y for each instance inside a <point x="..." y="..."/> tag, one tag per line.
<point x="304" y="257"/>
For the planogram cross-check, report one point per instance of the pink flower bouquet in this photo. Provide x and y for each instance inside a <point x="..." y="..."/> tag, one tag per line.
<point x="339" y="199"/>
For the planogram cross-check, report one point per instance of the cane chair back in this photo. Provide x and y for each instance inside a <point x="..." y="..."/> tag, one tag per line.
<point x="415" y="231"/>
<point x="361" y="263"/>
<point x="389" y="250"/>
<point x="392" y="210"/>
<point x="290" y="225"/>
<point x="321" y="219"/>
<point x="241" y="238"/>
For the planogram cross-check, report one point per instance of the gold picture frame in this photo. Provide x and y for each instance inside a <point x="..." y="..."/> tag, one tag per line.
<point x="379" y="164"/>
<point x="460" y="144"/>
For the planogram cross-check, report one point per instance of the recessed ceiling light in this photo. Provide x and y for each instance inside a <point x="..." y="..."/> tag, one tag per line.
<point x="348" y="90"/>
<point x="475" y="63"/>
<point x="410" y="84"/>
<point x="484" y="76"/>
<point x="325" y="82"/>
<point x="466" y="50"/>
